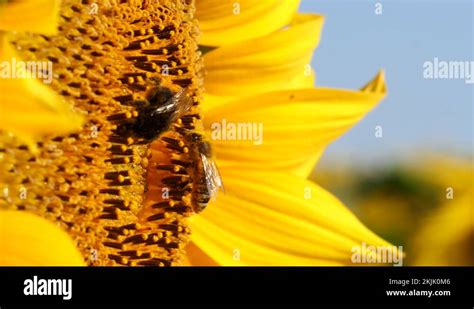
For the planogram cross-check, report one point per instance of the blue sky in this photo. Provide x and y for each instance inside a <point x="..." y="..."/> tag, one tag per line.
<point x="419" y="115"/>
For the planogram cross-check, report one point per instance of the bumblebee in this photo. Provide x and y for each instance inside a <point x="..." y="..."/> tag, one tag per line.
<point x="156" y="114"/>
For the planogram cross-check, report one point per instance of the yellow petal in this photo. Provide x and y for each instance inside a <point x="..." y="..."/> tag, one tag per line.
<point x="28" y="240"/>
<point x="29" y="108"/>
<point x="196" y="257"/>
<point x="224" y="22"/>
<point x="279" y="219"/>
<point x="274" y="62"/>
<point x="39" y="16"/>
<point x="295" y="125"/>
<point x="304" y="170"/>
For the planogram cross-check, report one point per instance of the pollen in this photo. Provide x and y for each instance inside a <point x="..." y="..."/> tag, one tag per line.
<point x="123" y="202"/>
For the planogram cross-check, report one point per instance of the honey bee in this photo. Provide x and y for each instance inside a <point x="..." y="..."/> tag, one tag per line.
<point x="156" y="114"/>
<point x="207" y="179"/>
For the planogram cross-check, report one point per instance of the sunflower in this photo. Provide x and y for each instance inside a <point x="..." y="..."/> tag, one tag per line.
<point x="128" y="203"/>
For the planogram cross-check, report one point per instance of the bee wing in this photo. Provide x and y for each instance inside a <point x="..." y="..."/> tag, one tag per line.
<point x="213" y="177"/>
<point x="183" y="103"/>
<point x="177" y="105"/>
